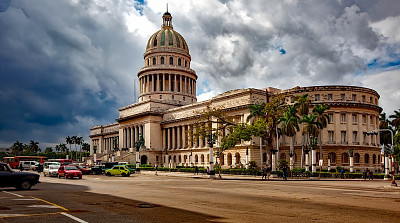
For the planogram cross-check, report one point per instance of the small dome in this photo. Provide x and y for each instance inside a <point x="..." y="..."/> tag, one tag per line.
<point x="167" y="37"/>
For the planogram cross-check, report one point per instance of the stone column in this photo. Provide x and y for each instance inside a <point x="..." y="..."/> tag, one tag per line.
<point x="157" y="82"/>
<point x="351" y="164"/>
<point x="329" y="165"/>
<point x="314" y="161"/>
<point x="168" y="138"/>
<point x="163" y="140"/>
<point x="184" y="136"/>
<point x="386" y="165"/>
<point x="173" y="134"/>
<point x="175" y="83"/>
<point x="137" y="133"/>
<point x="247" y="159"/>
<point x="132" y="137"/>
<point x="123" y="137"/>
<point x="307" y="161"/>
<point x="180" y="84"/>
<point x="273" y="167"/>
<point x="178" y="137"/>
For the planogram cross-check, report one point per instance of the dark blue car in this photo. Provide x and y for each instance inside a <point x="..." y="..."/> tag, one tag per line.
<point x="19" y="180"/>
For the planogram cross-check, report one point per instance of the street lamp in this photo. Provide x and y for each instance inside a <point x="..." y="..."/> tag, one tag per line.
<point x="386" y="160"/>
<point x="211" y="141"/>
<point x="138" y="144"/>
<point x="351" y="160"/>
<point x="114" y="148"/>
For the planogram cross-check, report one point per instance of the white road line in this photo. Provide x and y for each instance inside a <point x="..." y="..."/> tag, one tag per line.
<point x="13" y="194"/>
<point x="24" y="199"/>
<point x="42" y="206"/>
<point x="73" y="217"/>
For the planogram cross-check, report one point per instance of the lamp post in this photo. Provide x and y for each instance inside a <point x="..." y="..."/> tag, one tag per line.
<point x="95" y="154"/>
<point x="247" y="158"/>
<point x="375" y="132"/>
<point x="211" y="141"/>
<point x="138" y="144"/>
<point x="114" y="148"/>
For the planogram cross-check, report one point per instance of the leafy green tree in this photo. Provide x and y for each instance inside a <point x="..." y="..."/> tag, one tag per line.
<point x="395" y="120"/>
<point x="86" y="147"/>
<point x="290" y="125"/>
<point x="48" y="150"/>
<point x="33" y="147"/>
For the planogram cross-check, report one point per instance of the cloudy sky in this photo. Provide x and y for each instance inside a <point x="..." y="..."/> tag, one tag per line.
<point x="67" y="65"/>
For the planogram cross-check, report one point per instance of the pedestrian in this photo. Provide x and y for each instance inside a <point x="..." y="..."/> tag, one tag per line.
<point x="156" y="167"/>
<point x="364" y="174"/>
<point x="208" y="170"/>
<point x="264" y="173"/>
<point x="371" y="175"/>
<point x="268" y="172"/>
<point x="196" y="170"/>
<point x="20" y="167"/>
<point x="284" y="168"/>
<point x="342" y="173"/>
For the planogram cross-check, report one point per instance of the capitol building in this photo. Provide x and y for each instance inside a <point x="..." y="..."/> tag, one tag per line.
<point x="167" y="110"/>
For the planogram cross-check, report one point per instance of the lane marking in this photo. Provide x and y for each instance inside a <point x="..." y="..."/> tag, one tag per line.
<point x="12" y="193"/>
<point x="42" y="206"/>
<point x="63" y="208"/>
<point x="24" y="199"/>
<point x="73" y="217"/>
<point x="26" y="215"/>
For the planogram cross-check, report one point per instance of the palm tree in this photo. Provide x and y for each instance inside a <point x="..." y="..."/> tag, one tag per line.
<point x="395" y="120"/>
<point x="384" y="123"/>
<point x="311" y="126"/>
<point x="33" y="147"/>
<point x="63" y="147"/>
<point x="257" y="111"/>
<point x="290" y="125"/>
<point x="74" y="141"/>
<point x="79" y="141"/>
<point x="322" y="118"/>
<point x="303" y="103"/>
<point x="17" y="148"/>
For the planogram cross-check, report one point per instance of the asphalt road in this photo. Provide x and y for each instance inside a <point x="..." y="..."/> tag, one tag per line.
<point x="173" y="197"/>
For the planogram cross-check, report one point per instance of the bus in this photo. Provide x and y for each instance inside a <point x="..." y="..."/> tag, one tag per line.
<point x="14" y="161"/>
<point x="62" y="161"/>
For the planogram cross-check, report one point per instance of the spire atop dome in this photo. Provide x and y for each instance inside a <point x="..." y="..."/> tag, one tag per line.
<point x="167" y="19"/>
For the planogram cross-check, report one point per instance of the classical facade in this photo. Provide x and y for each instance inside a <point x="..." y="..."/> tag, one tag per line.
<point x="168" y="108"/>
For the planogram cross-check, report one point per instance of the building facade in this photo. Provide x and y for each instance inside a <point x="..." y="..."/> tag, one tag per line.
<point x="168" y="108"/>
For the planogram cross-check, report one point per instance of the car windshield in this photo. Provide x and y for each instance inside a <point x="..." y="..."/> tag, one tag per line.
<point x="71" y="168"/>
<point x="52" y="167"/>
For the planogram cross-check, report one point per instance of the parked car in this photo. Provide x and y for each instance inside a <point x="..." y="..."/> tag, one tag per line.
<point x="97" y="169"/>
<point x="130" y="167"/>
<point x="51" y="170"/>
<point x="85" y="171"/>
<point x="47" y="164"/>
<point x="69" y="171"/>
<point x="19" y="180"/>
<point x="118" y="170"/>
<point x="29" y="165"/>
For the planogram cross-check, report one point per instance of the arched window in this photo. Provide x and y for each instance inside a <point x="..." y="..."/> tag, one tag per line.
<point x="374" y="159"/>
<point x="345" y="158"/>
<point x="366" y="158"/>
<point x="332" y="157"/>
<point x="185" y="63"/>
<point x="171" y="61"/>
<point x="174" y="159"/>
<point x="179" y="62"/>
<point x="179" y="159"/>
<point x="202" y="158"/>
<point x="154" y="61"/>
<point x="222" y="159"/>
<point x="229" y="159"/>
<point x="196" y="159"/>
<point x="185" y="158"/>
<point x="155" y="42"/>
<point x="379" y="159"/>
<point x="237" y="156"/>
<point x="357" y="158"/>
<point x="162" y="60"/>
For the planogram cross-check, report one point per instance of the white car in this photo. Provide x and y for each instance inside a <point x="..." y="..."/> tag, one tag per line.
<point x="29" y="165"/>
<point x="51" y="170"/>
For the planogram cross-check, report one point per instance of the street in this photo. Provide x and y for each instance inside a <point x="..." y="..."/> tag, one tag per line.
<point x="181" y="197"/>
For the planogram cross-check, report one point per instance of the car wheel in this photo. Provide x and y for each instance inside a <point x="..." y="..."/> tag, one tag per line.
<point x="123" y="174"/>
<point x="25" y="185"/>
<point x="108" y="174"/>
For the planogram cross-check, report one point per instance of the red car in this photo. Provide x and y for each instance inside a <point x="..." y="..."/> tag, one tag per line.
<point x="69" y="171"/>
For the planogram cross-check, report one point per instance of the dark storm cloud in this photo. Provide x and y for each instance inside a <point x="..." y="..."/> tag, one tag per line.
<point x="65" y="66"/>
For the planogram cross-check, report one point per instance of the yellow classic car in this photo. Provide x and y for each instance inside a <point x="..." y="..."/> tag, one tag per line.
<point x="118" y="170"/>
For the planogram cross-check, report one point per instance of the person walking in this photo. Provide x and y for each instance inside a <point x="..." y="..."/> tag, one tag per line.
<point x="264" y="173"/>
<point x="196" y="170"/>
<point x="284" y="172"/>
<point x="364" y="175"/>
<point x="342" y="173"/>
<point x="268" y="172"/>
<point x="156" y="167"/>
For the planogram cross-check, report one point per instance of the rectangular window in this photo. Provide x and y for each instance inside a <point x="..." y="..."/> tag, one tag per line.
<point x="354" y="97"/>
<point x="343" y="137"/>
<point x="371" y="120"/>
<point x="370" y="100"/>
<point x="317" y="97"/>
<point x="354" y="117"/>
<point x="330" y="118"/>
<point x="364" y="138"/>
<point x="342" y="118"/>
<point x="330" y="97"/>
<point x="376" y="101"/>
<point x="354" y="137"/>
<point x="363" y="98"/>
<point x="331" y="136"/>
<point x="342" y="97"/>
<point x="364" y="119"/>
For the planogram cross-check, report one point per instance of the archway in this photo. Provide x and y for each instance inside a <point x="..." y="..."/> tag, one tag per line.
<point x="229" y="159"/>
<point x="237" y="160"/>
<point x="143" y="159"/>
